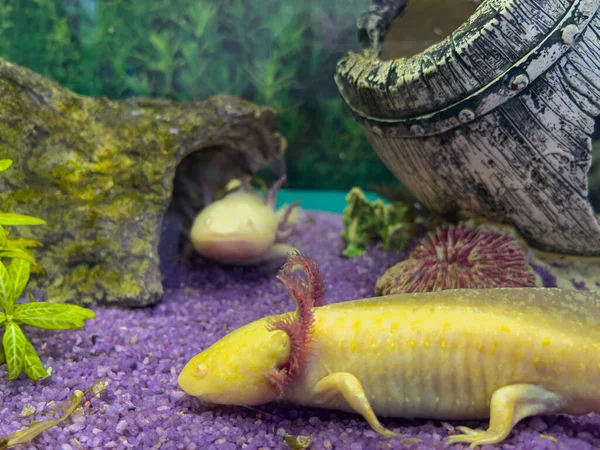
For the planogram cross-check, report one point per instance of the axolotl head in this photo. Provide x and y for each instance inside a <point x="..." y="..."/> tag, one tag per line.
<point x="233" y="371"/>
<point x="237" y="229"/>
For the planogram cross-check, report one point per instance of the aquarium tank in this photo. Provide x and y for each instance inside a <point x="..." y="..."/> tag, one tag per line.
<point x="269" y="224"/>
<point x="278" y="54"/>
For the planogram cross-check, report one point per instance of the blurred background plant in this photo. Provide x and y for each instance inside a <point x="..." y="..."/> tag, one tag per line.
<point x="272" y="52"/>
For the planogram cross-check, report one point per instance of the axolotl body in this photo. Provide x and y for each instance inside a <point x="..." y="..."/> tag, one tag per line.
<point x="502" y="354"/>
<point x="243" y="227"/>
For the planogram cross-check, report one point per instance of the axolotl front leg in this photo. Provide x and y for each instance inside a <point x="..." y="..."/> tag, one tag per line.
<point x="331" y="390"/>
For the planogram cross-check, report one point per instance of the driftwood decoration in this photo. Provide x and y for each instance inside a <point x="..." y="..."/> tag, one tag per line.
<point x="495" y="120"/>
<point x="102" y="173"/>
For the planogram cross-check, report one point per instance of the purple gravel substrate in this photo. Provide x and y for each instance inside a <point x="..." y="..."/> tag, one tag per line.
<point x="140" y="352"/>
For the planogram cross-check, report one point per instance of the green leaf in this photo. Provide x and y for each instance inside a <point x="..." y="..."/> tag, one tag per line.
<point x="19" y="254"/>
<point x="5" y="164"/>
<point x="3" y="239"/>
<point x="19" y="271"/>
<point x="19" y="219"/>
<point x="5" y="290"/>
<point x="31" y="431"/>
<point x="22" y="243"/>
<point x="32" y="365"/>
<point x="14" y="343"/>
<point x="2" y="318"/>
<point x="52" y="316"/>
<point x="2" y="358"/>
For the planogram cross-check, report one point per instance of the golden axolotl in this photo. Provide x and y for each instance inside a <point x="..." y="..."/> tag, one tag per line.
<point x="243" y="227"/>
<point x="502" y="354"/>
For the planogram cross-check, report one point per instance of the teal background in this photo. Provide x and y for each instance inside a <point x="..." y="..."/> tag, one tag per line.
<point x="280" y="53"/>
<point x="328" y="201"/>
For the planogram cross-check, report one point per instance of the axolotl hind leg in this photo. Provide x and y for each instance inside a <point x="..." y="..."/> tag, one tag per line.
<point x="508" y="406"/>
<point x="345" y="385"/>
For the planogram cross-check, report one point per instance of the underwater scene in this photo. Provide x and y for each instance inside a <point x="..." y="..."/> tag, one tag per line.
<point x="345" y="224"/>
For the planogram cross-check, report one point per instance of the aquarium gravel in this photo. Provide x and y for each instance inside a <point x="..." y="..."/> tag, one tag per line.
<point x="140" y="353"/>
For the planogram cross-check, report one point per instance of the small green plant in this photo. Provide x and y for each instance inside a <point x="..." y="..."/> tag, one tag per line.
<point x="16" y="350"/>
<point x="17" y="248"/>
<point x="67" y="407"/>
<point x="393" y="223"/>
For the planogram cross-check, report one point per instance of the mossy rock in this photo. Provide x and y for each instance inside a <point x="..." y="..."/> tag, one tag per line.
<point x="102" y="174"/>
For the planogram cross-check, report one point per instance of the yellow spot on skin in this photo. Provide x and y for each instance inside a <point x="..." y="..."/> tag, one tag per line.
<point x="493" y="348"/>
<point x="356" y="324"/>
<point x="427" y="343"/>
<point x="393" y="345"/>
<point x="505" y="328"/>
<point x="480" y="346"/>
<point x="546" y="341"/>
<point x="353" y="346"/>
<point x="412" y="343"/>
<point x="443" y="343"/>
<point x="395" y="326"/>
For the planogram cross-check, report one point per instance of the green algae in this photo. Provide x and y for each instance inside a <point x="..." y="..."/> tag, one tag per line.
<point x="393" y="224"/>
<point x="101" y="174"/>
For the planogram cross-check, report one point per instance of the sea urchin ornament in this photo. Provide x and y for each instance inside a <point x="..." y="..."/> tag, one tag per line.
<point x="458" y="257"/>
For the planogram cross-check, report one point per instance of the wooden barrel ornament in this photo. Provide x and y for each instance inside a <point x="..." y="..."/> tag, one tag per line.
<point x="495" y="120"/>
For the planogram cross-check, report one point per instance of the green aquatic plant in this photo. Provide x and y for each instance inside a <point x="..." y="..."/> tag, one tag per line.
<point x="297" y="442"/>
<point x="18" y="353"/>
<point x="67" y="408"/>
<point x="393" y="223"/>
<point x="281" y="54"/>
<point x="16" y="350"/>
<point x="17" y="248"/>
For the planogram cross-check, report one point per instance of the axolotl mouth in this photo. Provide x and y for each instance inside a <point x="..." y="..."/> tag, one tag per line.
<point x="231" y="248"/>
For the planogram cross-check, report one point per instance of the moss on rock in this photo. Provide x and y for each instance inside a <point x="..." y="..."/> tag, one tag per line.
<point x="101" y="173"/>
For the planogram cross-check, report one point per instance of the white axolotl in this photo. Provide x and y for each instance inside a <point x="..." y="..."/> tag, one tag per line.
<point x="243" y="227"/>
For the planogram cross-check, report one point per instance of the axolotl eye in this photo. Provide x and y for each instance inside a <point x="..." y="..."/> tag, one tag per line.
<point x="200" y="370"/>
